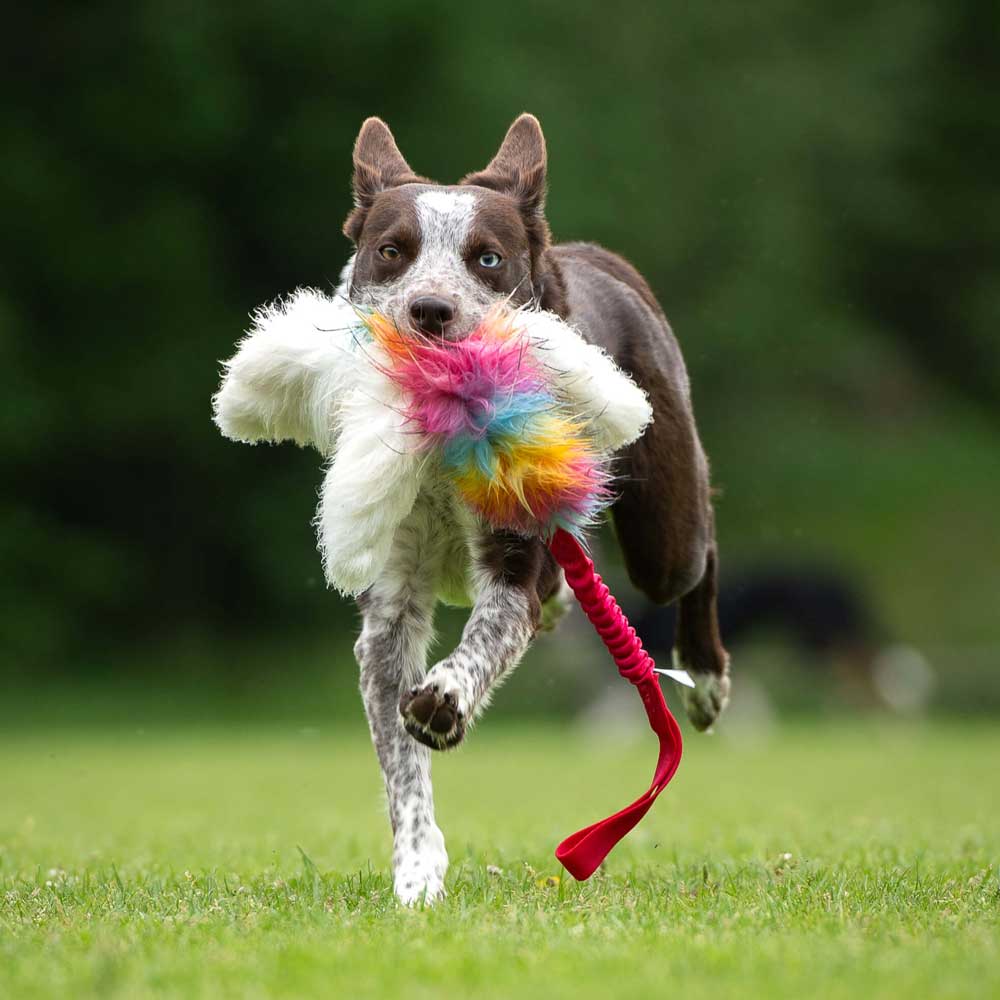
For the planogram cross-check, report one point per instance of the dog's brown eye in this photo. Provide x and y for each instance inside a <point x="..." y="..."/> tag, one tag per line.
<point x="388" y="252"/>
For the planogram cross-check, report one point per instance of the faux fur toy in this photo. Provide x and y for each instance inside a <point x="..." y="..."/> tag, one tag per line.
<point x="519" y="419"/>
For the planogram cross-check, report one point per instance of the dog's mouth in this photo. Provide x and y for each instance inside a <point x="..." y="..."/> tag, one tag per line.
<point x="447" y="336"/>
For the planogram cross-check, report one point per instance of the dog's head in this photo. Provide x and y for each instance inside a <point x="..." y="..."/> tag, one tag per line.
<point x="434" y="258"/>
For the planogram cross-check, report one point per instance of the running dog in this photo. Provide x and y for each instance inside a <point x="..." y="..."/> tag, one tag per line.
<point x="435" y="259"/>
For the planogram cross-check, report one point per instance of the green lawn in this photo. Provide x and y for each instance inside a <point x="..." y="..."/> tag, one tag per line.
<point x="847" y="861"/>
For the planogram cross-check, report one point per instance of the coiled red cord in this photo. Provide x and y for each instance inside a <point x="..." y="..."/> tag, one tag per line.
<point x="582" y="852"/>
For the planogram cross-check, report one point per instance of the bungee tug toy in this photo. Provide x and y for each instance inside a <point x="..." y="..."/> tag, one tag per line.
<point x="520" y="417"/>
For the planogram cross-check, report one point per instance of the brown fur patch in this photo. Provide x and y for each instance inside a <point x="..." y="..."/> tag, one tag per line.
<point x="699" y="645"/>
<point x="378" y="167"/>
<point x="518" y="171"/>
<point x="663" y="512"/>
<point x="391" y="218"/>
<point x="524" y="563"/>
<point x="615" y="265"/>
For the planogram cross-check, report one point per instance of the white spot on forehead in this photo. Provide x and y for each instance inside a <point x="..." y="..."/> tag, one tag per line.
<point x="446" y="202"/>
<point x="445" y="219"/>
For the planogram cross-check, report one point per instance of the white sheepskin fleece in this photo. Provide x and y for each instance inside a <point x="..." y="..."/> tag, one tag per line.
<point x="291" y="372"/>
<point x="370" y="486"/>
<point x="306" y="373"/>
<point x="593" y="386"/>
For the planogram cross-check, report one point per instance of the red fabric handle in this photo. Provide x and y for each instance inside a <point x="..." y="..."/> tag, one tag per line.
<point x="581" y="853"/>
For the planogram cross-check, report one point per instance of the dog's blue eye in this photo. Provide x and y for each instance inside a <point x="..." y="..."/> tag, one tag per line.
<point x="490" y="259"/>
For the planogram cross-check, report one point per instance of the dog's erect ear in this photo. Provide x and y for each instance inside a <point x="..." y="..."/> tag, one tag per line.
<point x="378" y="165"/>
<point x="518" y="169"/>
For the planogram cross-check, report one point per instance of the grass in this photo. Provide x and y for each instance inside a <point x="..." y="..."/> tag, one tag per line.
<point x="821" y="860"/>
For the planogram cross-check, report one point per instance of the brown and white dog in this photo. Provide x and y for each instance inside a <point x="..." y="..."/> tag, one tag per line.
<point x="434" y="259"/>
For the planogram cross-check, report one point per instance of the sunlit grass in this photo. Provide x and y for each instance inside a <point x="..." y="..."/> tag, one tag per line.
<point x="836" y="861"/>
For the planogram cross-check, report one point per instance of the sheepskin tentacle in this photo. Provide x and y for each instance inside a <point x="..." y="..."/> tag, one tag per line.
<point x="291" y="372"/>
<point x="370" y="486"/>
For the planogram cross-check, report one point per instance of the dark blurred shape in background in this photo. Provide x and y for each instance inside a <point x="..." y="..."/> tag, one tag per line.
<point x="810" y="190"/>
<point x="826" y="620"/>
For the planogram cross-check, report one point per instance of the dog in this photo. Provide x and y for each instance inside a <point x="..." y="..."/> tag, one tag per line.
<point x="435" y="259"/>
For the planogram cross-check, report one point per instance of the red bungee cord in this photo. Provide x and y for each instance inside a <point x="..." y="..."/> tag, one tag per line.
<point x="581" y="853"/>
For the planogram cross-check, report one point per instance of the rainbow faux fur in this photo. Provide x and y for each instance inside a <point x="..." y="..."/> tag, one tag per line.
<point x="486" y="406"/>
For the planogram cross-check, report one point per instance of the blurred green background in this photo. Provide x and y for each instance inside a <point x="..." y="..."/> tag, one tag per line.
<point x="811" y="190"/>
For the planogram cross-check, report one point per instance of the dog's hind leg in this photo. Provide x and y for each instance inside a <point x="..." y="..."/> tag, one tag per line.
<point x="666" y="528"/>
<point x="698" y="648"/>
<point x="515" y="576"/>
<point x="392" y="653"/>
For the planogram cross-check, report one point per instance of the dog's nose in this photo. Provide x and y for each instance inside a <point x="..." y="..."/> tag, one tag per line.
<point x="431" y="314"/>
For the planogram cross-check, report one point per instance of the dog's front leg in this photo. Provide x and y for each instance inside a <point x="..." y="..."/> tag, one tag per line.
<point x="514" y="575"/>
<point x="392" y="653"/>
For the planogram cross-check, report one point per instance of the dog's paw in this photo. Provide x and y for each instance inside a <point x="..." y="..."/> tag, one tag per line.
<point x="433" y="713"/>
<point x="705" y="702"/>
<point x="419" y="877"/>
<point x="414" y="888"/>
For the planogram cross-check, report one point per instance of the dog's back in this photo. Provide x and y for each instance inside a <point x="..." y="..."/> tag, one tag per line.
<point x="663" y="517"/>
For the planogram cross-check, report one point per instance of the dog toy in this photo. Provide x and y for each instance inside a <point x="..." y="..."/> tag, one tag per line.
<point x="485" y="406"/>
<point x="521" y="416"/>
